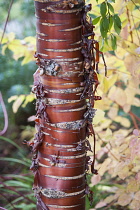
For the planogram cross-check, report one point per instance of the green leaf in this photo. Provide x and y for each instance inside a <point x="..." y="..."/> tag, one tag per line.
<point x="17" y="184"/>
<point x="117" y="24"/>
<point x="15" y="160"/>
<point x="117" y="20"/>
<point x="110" y="22"/>
<point x="105" y="24"/>
<point x="25" y="206"/>
<point x="96" y="20"/>
<point x="106" y="40"/>
<point x="102" y="29"/>
<point x="117" y="29"/>
<point x="113" y="42"/>
<point x="7" y="191"/>
<point x="102" y="44"/>
<point x="113" y="1"/>
<point x="20" y="177"/>
<point x="110" y="7"/>
<point x="103" y="9"/>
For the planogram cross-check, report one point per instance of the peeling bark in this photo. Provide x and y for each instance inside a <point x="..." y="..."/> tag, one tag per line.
<point x="65" y="84"/>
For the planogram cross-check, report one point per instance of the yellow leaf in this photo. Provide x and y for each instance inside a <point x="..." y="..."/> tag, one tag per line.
<point x="111" y="93"/>
<point x="135" y="204"/>
<point x="132" y="64"/>
<point x="134" y="83"/>
<point x="119" y="64"/>
<point x="104" y="166"/>
<point x="100" y="205"/>
<point x="4" y="40"/>
<point x="28" y="57"/>
<point x="28" y="98"/>
<point x="109" y="199"/>
<point x="119" y="192"/>
<point x="101" y="78"/>
<point x="137" y="196"/>
<point x="12" y="98"/>
<point x="120" y="135"/>
<point x="123" y="172"/>
<point x="130" y="93"/>
<point x="13" y="44"/>
<point x="108" y="134"/>
<point x="18" y="102"/>
<point x="136" y="1"/>
<point x="130" y="5"/>
<point x="136" y="102"/>
<point x="105" y="123"/>
<point x="4" y="48"/>
<point x="17" y="48"/>
<point x="11" y="36"/>
<point x="109" y="82"/>
<point x="136" y="169"/>
<point x="31" y="40"/>
<point x="130" y="47"/>
<point x="95" y="179"/>
<point x="120" y="96"/>
<point x="99" y="115"/>
<point x="113" y="111"/>
<point x="103" y="104"/>
<point x="124" y="35"/>
<point x="132" y="186"/>
<point x="124" y="199"/>
<point x="126" y="108"/>
<point x="117" y="4"/>
<point x="123" y="121"/>
<point x="123" y="147"/>
<point x="120" y="52"/>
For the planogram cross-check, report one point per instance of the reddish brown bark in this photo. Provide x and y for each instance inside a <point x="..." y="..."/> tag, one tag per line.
<point x="62" y="83"/>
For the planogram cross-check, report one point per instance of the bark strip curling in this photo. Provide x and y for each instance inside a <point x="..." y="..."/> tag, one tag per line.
<point x="65" y="84"/>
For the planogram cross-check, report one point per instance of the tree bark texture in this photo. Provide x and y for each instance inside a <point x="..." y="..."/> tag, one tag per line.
<point x="64" y="84"/>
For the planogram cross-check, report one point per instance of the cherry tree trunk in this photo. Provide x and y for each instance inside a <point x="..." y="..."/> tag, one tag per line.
<point x="63" y="84"/>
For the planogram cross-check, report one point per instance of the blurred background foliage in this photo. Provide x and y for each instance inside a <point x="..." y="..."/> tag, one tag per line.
<point x="117" y="120"/>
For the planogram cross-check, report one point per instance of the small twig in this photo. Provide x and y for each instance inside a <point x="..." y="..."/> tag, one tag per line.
<point x="128" y="15"/>
<point x="5" y="25"/>
<point x="136" y="5"/>
<point x="109" y="205"/>
<point x="134" y="120"/>
<point x="5" y="116"/>
<point x="135" y="27"/>
<point x="133" y="117"/>
<point x="112" y="153"/>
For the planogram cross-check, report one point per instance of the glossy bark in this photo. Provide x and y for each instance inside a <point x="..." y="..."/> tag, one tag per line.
<point x="62" y="83"/>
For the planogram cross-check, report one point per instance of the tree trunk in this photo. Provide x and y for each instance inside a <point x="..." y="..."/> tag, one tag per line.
<point x="62" y="83"/>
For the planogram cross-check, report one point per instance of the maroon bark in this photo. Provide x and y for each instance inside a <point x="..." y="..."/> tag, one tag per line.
<point x="65" y="85"/>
